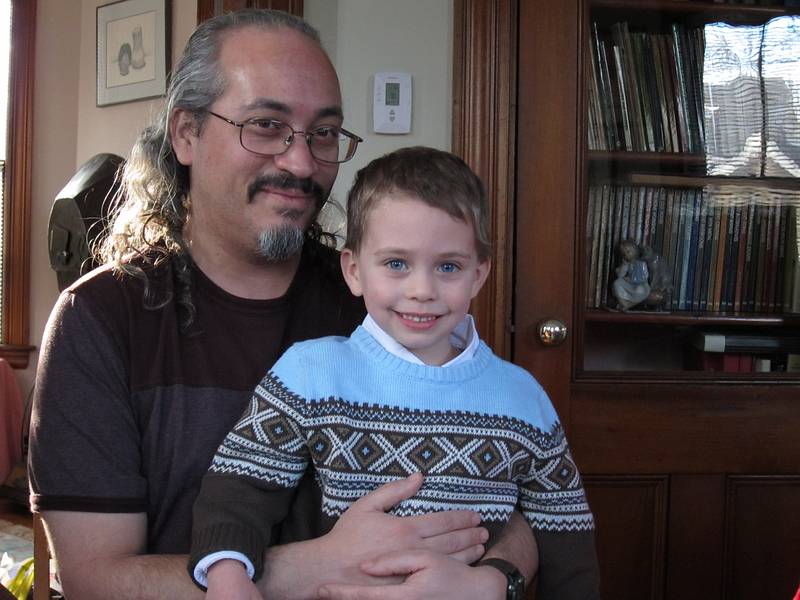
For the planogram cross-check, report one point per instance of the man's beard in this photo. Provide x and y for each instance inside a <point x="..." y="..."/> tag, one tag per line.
<point x="280" y="243"/>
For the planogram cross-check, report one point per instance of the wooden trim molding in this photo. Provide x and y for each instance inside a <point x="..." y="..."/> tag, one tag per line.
<point x="209" y="8"/>
<point x="18" y="186"/>
<point x="484" y="125"/>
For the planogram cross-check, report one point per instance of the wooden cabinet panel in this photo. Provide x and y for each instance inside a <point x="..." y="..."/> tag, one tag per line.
<point x="762" y="538"/>
<point x="631" y="519"/>
<point x="695" y="537"/>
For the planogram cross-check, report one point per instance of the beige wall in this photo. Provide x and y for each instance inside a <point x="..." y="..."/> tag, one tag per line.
<point x="363" y="36"/>
<point x="68" y="127"/>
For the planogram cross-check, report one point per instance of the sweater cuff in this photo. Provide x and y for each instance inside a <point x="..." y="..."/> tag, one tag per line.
<point x="224" y="537"/>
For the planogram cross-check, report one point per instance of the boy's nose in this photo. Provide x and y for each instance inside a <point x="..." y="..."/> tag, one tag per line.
<point x="421" y="287"/>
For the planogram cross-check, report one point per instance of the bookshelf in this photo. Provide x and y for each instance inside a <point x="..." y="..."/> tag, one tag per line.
<point x="691" y="153"/>
<point x="691" y="467"/>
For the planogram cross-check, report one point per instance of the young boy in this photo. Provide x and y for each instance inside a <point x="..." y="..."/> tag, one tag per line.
<point x="412" y="389"/>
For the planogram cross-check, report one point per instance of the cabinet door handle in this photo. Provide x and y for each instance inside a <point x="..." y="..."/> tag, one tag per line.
<point x="551" y="332"/>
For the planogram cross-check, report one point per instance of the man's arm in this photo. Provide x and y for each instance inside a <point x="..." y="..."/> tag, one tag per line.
<point x="100" y="554"/>
<point x="99" y="557"/>
<point x="432" y="575"/>
<point x="517" y="545"/>
<point x="365" y="531"/>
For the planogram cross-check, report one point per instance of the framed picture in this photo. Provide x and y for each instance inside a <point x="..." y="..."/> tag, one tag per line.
<point x="132" y="50"/>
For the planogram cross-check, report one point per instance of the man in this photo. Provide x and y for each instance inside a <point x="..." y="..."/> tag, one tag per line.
<point x="214" y="267"/>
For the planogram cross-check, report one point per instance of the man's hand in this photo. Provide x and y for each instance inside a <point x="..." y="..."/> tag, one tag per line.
<point x="364" y="532"/>
<point x="428" y="576"/>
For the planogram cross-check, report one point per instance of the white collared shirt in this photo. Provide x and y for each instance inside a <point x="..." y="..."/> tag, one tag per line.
<point x="464" y="337"/>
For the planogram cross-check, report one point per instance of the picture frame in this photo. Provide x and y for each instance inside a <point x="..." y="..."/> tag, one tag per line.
<point x="133" y="50"/>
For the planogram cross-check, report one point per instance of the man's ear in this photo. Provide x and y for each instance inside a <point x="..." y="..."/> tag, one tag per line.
<point x="482" y="269"/>
<point x="350" y="271"/>
<point x="183" y="133"/>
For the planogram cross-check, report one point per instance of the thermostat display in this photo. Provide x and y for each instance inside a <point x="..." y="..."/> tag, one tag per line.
<point x="391" y="106"/>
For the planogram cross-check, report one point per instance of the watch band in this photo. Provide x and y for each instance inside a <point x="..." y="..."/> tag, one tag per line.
<point x="515" y="581"/>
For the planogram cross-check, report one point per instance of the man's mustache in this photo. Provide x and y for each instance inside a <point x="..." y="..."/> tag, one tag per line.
<point x="287" y="181"/>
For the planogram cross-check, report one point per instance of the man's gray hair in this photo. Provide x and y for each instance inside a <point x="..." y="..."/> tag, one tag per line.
<point x="148" y="214"/>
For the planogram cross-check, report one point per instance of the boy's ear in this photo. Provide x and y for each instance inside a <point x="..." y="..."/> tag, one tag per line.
<point x="183" y="133"/>
<point x="483" y="269"/>
<point x="350" y="271"/>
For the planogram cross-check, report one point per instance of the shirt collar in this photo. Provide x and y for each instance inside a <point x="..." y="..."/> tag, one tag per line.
<point x="464" y="337"/>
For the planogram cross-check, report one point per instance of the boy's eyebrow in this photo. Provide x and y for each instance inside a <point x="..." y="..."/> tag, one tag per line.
<point x="403" y="251"/>
<point x="282" y="107"/>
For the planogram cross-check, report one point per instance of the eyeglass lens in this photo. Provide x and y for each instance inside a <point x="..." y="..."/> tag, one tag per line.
<point x="326" y="144"/>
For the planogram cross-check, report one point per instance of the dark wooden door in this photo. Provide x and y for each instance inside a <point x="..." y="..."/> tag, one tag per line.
<point x="695" y="484"/>
<point x="208" y="8"/>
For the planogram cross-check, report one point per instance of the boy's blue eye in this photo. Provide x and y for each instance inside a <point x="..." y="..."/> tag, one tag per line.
<point x="449" y="267"/>
<point x="396" y="264"/>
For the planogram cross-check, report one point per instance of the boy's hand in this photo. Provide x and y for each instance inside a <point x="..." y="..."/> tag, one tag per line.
<point x="228" y="580"/>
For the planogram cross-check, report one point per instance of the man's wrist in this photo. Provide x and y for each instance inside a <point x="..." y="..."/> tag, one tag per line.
<point x="513" y="582"/>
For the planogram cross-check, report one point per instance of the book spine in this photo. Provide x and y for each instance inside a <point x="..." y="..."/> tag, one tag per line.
<point x="791" y="302"/>
<point x="783" y="217"/>
<point x="697" y="285"/>
<point x="731" y="259"/>
<point x="720" y="262"/>
<point x="755" y="250"/>
<point x="773" y="262"/>
<point x="763" y="252"/>
<point x="592" y="241"/>
<point x="695" y="203"/>
<point x="711" y="218"/>
<point x="602" y="244"/>
<point x="674" y="237"/>
<point x="740" y="257"/>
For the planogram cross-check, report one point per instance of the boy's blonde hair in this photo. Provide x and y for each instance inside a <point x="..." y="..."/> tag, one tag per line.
<point x="439" y="179"/>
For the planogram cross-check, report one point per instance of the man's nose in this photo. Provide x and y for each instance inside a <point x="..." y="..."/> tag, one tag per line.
<point x="297" y="159"/>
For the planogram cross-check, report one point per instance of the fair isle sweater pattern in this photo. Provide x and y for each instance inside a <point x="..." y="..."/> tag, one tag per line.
<point x="484" y="434"/>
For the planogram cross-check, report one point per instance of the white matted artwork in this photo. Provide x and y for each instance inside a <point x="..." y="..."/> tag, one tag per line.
<point x="132" y="50"/>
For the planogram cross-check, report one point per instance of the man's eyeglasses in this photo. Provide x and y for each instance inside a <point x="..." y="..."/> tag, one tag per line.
<point x="270" y="137"/>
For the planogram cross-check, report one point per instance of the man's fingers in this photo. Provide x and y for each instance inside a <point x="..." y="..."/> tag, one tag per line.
<point x="452" y="542"/>
<point x="402" y="562"/>
<point x="469" y="555"/>
<point x="389" y="494"/>
<point x="445" y="521"/>
<point x="340" y="591"/>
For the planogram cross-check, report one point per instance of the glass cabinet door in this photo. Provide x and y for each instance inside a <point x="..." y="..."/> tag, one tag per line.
<point x="692" y="187"/>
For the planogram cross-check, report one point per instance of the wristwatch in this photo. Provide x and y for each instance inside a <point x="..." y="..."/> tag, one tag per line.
<point x="515" y="588"/>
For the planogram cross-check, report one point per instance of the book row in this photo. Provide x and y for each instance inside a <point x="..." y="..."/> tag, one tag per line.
<point x="725" y="252"/>
<point x="645" y="89"/>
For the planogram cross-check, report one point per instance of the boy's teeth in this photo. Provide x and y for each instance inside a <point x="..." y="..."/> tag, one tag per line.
<point x="417" y="319"/>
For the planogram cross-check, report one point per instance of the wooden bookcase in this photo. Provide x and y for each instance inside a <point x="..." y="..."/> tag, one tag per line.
<point x="684" y="123"/>
<point x="693" y="474"/>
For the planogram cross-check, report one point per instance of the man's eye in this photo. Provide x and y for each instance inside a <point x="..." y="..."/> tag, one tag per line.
<point x="449" y="267"/>
<point x="266" y="125"/>
<point x="396" y="264"/>
<point x="326" y="134"/>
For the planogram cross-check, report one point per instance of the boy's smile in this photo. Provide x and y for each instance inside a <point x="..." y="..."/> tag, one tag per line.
<point x="417" y="269"/>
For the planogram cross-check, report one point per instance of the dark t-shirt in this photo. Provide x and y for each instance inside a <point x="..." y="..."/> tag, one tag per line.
<point x="128" y="411"/>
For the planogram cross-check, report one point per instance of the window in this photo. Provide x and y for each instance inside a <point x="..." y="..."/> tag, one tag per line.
<point x="16" y="179"/>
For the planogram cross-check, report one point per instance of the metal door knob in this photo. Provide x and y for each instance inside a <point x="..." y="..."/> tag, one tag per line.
<point x="551" y="332"/>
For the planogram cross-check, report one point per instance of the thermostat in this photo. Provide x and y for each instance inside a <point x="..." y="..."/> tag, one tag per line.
<point x="391" y="103"/>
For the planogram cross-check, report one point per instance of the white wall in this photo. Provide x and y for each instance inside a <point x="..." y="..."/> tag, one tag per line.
<point x="413" y="36"/>
<point x="362" y="36"/>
